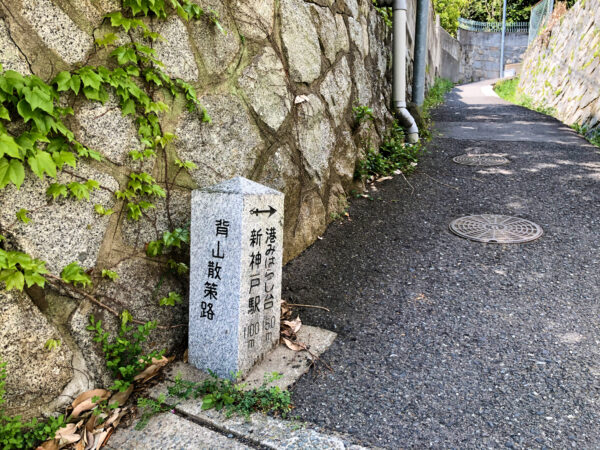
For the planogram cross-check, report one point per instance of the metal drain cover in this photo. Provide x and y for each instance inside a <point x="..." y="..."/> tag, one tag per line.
<point x="496" y="229"/>
<point x="480" y="159"/>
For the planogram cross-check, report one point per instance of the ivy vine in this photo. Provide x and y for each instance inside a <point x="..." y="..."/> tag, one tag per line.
<point x="34" y="136"/>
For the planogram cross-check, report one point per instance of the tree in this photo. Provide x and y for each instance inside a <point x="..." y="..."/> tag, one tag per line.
<point x="449" y="12"/>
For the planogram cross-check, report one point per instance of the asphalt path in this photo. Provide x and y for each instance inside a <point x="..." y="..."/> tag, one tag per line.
<point x="448" y="343"/>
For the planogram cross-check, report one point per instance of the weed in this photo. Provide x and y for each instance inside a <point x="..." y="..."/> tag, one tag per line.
<point x="362" y="113"/>
<point x="593" y="136"/>
<point x="123" y="355"/>
<point x="393" y="154"/>
<point x="221" y="394"/>
<point x="509" y="91"/>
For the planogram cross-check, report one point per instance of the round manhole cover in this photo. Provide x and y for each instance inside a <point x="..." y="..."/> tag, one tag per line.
<point x="496" y="229"/>
<point x="480" y="159"/>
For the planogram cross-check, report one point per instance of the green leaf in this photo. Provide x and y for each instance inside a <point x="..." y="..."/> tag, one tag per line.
<point x="172" y="299"/>
<point x="32" y="277"/>
<point x="51" y="344"/>
<point x="75" y="84"/>
<point x="39" y="99"/>
<point x="106" y="40"/>
<point x="4" y="113"/>
<point x="133" y="211"/>
<point x="74" y="273"/>
<point x="9" y="147"/>
<point x="102" y="211"/>
<point x="62" y="81"/>
<point x="79" y="190"/>
<point x="111" y="275"/>
<point x="11" y="172"/>
<point x="22" y="215"/>
<point x="42" y="162"/>
<point x="56" y="190"/>
<point x="154" y="248"/>
<point x="64" y="157"/>
<point x="126" y="317"/>
<point x="92" y="184"/>
<point x="13" y="278"/>
<point x="128" y="107"/>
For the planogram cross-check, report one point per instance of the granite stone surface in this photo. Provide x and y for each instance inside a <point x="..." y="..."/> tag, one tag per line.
<point x="235" y="275"/>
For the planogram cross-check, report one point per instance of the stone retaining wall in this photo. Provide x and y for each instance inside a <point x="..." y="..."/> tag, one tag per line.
<point x="561" y="69"/>
<point x="279" y="87"/>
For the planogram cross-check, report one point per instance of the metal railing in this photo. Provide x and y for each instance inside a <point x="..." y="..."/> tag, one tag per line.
<point x="492" y="27"/>
<point x="540" y="13"/>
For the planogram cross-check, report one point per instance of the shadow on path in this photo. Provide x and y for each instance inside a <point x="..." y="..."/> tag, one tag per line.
<point x="449" y="343"/>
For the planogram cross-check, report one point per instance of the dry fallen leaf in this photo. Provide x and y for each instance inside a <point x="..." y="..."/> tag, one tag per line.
<point x="121" y="397"/>
<point x="89" y="394"/>
<point x="88" y="404"/>
<point x="100" y="437"/>
<point x="379" y="180"/>
<point x="152" y="369"/>
<point x="49" y="445"/>
<point x="186" y="356"/>
<point x="80" y="445"/>
<point x="295" y="346"/>
<point x="69" y="439"/>
<point x="295" y="324"/>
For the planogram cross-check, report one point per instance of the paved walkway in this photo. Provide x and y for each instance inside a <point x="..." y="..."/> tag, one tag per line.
<point x="448" y="343"/>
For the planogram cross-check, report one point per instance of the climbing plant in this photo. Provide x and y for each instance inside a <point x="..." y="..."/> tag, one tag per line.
<point x="35" y="140"/>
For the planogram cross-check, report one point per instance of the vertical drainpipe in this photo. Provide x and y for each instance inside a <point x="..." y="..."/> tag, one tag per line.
<point x="399" y="71"/>
<point x="502" y="39"/>
<point x="418" y="86"/>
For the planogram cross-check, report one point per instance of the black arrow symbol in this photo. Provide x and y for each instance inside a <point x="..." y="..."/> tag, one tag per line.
<point x="257" y="211"/>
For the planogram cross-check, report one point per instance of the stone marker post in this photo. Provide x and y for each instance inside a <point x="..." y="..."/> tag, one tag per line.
<point x="235" y="275"/>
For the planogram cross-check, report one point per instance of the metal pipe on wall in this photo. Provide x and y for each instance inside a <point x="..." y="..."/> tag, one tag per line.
<point x="418" y="85"/>
<point x="399" y="70"/>
<point x="502" y="40"/>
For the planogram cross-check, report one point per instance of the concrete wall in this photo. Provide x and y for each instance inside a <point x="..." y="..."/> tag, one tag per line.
<point x="561" y="69"/>
<point x="480" y="58"/>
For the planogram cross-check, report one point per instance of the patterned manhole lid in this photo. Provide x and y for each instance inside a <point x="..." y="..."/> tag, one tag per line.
<point x="480" y="159"/>
<point x="496" y="229"/>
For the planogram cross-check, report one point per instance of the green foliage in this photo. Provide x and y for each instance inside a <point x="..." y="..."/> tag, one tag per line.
<point x="44" y="143"/>
<point x="394" y="154"/>
<point x="22" y="216"/>
<point x="592" y="135"/>
<point x="149" y="408"/>
<point x="16" y="434"/>
<point x="123" y="354"/>
<point x="18" y="269"/>
<point x="76" y="275"/>
<point x="509" y="90"/>
<point x="51" y="344"/>
<point x="362" y="113"/>
<point x="140" y="185"/>
<point x="225" y="394"/>
<point x="386" y="13"/>
<point x="169" y="239"/>
<point x="491" y="10"/>
<point x="110" y="274"/>
<point x="102" y="211"/>
<point x="222" y="394"/>
<point x="449" y="11"/>
<point x="171" y="300"/>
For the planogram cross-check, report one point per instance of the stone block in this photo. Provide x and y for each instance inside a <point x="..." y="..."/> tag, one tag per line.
<point x="332" y="32"/>
<point x="336" y="89"/>
<point x="235" y="276"/>
<point x="316" y="138"/>
<point x="265" y="85"/>
<point x="175" y="51"/>
<point x="35" y="375"/>
<point x="300" y="41"/>
<point x="60" y="231"/>
<point x="222" y="149"/>
<point x="57" y="30"/>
